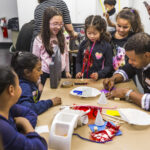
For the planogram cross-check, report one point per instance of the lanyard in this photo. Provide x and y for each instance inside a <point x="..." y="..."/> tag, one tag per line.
<point x="88" y="64"/>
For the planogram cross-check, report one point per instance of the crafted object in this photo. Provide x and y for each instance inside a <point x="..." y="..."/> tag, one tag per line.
<point x="55" y="68"/>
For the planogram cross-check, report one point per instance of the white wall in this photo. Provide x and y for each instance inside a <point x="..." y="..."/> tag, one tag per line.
<point x="79" y="9"/>
<point x="8" y="9"/>
<point x="138" y="4"/>
<point x="26" y="10"/>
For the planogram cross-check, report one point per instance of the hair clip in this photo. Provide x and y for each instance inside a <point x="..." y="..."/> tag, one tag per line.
<point x="132" y="10"/>
<point x="20" y="53"/>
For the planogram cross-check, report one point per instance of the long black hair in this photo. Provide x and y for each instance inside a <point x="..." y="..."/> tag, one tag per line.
<point x="7" y="77"/>
<point x="23" y="60"/>
<point x="49" y="13"/>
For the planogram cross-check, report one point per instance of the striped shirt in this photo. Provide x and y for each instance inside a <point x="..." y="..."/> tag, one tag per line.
<point x="38" y="13"/>
<point x="124" y="71"/>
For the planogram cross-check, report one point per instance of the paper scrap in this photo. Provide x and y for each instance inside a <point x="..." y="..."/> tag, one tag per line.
<point x="112" y="112"/>
<point x="42" y="129"/>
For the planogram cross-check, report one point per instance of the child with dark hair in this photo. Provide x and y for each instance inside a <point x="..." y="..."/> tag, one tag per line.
<point x="128" y="23"/>
<point x="51" y="35"/>
<point x="28" y="68"/>
<point x="14" y="117"/>
<point x="110" y="14"/>
<point x="94" y="58"/>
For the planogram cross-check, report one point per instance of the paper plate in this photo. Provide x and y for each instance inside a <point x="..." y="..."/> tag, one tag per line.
<point x="134" y="116"/>
<point x="85" y="91"/>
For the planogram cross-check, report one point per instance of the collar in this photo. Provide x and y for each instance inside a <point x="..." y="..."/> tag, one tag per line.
<point x="148" y="66"/>
<point x="111" y="12"/>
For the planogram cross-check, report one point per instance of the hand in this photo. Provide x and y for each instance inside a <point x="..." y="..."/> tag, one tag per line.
<point x="79" y="75"/>
<point x="68" y="75"/>
<point x="118" y="92"/>
<point x="94" y="76"/>
<point x="40" y="87"/>
<point x="23" y="124"/>
<point x="107" y="16"/>
<point x="108" y="83"/>
<point x="74" y="34"/>
<point x="56" y="101"/>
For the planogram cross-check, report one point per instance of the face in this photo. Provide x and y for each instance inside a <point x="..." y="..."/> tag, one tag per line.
<point x="34" y="75"/>
<point x="108" y="7"/>
<point x="123" y="27"/>
<point x="138" y="61"/>
<point x="17" y="89"/>
<point x="93" y="34"/>
<point x="55" y="24"/>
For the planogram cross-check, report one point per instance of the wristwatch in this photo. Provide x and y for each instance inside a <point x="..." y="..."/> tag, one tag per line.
<point x="127" y="96"/>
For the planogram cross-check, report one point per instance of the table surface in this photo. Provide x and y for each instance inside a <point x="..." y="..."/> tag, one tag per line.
<point x="133" y="137"/>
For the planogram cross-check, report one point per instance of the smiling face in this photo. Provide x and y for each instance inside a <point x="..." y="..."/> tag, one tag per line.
<point x="55" y="24"/>
<point x="138" y="60"/>
<point x="93" y="34"/>
<point x="123" y="27"/>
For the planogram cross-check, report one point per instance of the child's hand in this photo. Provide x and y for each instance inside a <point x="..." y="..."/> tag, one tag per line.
<point x="23" y="125"/>
<point x="56" y="101"/>
<point x="40" y="87"/>
<point x="94" y="76"/>
<point x="79" y="75"/>
<point x="68" y="75"/>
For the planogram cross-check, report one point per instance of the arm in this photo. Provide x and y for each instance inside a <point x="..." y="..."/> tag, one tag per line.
<point x="12" y="139"/>
<point x="37" y="47"/>
<point x="69" y="28"/>
<point x="67" y="20"/>
<point x="107" y="67"/>
<point x="123" y="74"/>
<point x="110" y="23"/>
<point x="27" y="100"/>
<point x="21" y="111"/>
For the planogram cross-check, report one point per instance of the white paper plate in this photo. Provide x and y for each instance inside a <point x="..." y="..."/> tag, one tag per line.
<point x="134" y="116"/>
<point x="93" y="92"/>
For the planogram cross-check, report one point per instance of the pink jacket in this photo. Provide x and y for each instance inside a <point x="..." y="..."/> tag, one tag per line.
<point x="39" y="51"/>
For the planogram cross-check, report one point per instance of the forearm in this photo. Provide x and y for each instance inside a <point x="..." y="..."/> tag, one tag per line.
<point x="69" y="29"/>
<point x="136" y="97"/>
<point x="117" y="78"/>
<point x="111" y="24"/>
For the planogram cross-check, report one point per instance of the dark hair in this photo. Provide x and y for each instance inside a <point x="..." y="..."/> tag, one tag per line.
<point x="49" y="13"/>
<point x="100" y="24"/>
<point x="110" y="2"/>
<point x="23" y="60"/>
<point x="7" y="77"/>
<point x="133" y="17"/>
<point x="40" y="1"/>
<point x="139" y="42"/>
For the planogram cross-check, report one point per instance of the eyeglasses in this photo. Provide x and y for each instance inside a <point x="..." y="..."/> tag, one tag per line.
<point x="57" y="25"/>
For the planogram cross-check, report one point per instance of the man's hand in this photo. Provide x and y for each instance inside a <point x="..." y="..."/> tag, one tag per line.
<point x="108" y="83"/>
<point x="118" y="92"/>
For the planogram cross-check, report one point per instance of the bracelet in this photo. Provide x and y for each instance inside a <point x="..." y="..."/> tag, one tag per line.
<point x="127" y="96"/>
